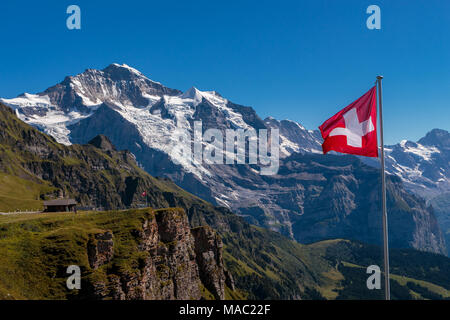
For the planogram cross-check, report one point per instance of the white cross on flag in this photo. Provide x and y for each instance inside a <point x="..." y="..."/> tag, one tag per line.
<point x="353" y="129"/>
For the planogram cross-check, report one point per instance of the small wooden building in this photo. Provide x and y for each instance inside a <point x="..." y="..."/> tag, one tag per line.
<point x="60" y="205"/>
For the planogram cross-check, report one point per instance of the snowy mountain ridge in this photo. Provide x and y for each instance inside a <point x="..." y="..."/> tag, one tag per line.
<point x="158" y="112"/>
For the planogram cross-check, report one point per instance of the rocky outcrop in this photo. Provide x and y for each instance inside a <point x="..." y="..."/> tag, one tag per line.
<point x="100" y="249"/>
<point x="174" y="262"/>
<point x="208" y="249"/>
<point x="102" y="142"/>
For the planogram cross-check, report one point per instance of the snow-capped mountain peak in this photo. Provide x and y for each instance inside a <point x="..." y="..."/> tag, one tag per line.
<point x="294" y="137"/>
<point x="436" y="137"/>
<point x="125" y="66"/>
<point x="124" y="72"/>
<point x="78" y="97"/>
<point x="27" y="100"/>
<point x="155" y="111"/>
<point x="423" y="166"/>
<point x="193" y="94"/>
<point x="196" y="96"/>
<point x="417" y="149"/>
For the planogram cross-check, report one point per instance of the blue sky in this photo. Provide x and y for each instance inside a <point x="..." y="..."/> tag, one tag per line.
<point x="302" y="60"/>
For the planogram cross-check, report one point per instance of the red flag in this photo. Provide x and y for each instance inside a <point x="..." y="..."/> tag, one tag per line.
<point x="144" y="194"/>
<point x="353" y="130"/>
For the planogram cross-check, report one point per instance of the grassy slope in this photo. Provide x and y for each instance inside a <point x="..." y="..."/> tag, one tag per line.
<point x="19" y="190"/>
<point x="414" y="274"/>
<point x="396" y="281"/>
<point x="36" y="249"/>
<point x="95" y="177"/>
<point x="20" y="194"/>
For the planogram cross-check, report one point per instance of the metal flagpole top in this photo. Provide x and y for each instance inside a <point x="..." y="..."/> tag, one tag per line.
<point x="379" y="77"/>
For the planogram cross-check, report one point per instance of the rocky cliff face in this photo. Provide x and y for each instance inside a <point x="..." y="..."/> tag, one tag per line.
<point x="208" y="249"/>
<point x="100" y="249"/>
<point x="343" y="200"/>
<point x="176" y="261"/>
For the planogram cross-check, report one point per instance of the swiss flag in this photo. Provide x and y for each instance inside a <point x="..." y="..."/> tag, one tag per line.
<point x="353" y="130"/>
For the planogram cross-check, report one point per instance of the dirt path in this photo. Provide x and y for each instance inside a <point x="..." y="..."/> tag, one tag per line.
<point x="18" y="212"/>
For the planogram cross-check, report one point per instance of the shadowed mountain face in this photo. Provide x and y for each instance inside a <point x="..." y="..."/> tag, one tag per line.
<point x="441" y="206"/>
<point x="436" y="137"/>
<point x="319" y="193"/>
<point x="342" y="198"/>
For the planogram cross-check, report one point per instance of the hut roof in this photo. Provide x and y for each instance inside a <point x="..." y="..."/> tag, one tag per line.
<point x="60" y="202"/>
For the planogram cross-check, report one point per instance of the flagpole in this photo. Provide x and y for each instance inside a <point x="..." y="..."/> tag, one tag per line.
<point x="387" y="289"/>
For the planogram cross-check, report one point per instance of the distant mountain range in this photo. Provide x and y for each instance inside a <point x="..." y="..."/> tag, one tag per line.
<point x="313" y="197"/>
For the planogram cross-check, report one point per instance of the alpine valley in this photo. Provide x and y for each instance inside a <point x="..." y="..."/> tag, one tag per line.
<point x="266" y="236"/>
